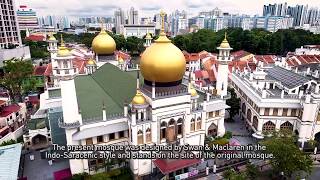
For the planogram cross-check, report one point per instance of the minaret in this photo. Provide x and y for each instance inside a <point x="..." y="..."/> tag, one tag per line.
<point x="53" y="46"/>
<point x="62" y="64"/>
<point x="27" y="32"/>
<point x="223" y="59"/>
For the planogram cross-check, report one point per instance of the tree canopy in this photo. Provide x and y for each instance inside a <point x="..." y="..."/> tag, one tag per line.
<point x="258" y="41"/>
<point x="234" y="103"/>
<point x="288" y="158"/>
<point x="16" y="71"/>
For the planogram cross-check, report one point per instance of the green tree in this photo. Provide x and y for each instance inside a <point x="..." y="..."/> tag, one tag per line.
<point x="230" y="174"/>
<point x="288" y="158"/>
<point x="134" y="45"/>
<point x="15" y="73"/>
<point x="234" y="103"/>
<point x="9" y="142"/>
<point x="252" y="172"/>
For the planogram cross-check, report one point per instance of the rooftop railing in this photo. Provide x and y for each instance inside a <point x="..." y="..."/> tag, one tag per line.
<point x="65" y="125"/>
<point x="98" y="119"/>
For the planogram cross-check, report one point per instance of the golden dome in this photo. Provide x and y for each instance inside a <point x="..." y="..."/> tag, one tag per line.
<point x="52" y="38"/>
<point x="193" y="92"/>
<point x="63" y="50"/>
<point x="91" y="62"/>
<point x="162" y="61"/>
<point x="103" y="43"/>
<point x="225" y="43"/>
<point x="138" y="99"/>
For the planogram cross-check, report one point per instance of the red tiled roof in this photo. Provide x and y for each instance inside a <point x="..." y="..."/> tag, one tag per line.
<point x="34" y="37"/>
<point x="198" y="74"/>
<point x="39" y="70"/>
<point x="167" y="167"/>
<point x="77" y="62"/>
<point x="239" y="54"/>
<point x="267" y="59"/>
<point x="7" y="110"/>
<point x="205" y="74"/>
<point x="201" y="81"/>
<point x="123" y="55"/>
<point x="80" y="64"/>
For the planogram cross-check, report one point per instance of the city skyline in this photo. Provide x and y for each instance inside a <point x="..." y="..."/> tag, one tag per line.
<point x="193" y="7"/>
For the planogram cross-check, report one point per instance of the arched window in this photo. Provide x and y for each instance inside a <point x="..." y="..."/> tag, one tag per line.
<point x="140" y="137"/>
<point x="212" y="130"/>
<point x="244" y="108"/>
<point x="286" y="126"/>
<point x="255" y="122"/>
<point x="171" y="131"/>
<point x="249" y="115"/>
<point x="268" y="127"/>
<point x="198" y="123"/>
<point x="179" y="124"/>
<point x="148" y="135"/>
<point x="192" y="125"/>
<point x="163" y="129"/>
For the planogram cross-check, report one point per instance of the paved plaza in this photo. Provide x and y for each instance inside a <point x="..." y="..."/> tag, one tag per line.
<point x="39" y="169"/>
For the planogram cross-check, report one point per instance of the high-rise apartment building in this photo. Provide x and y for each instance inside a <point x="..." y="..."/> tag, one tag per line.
<point x="133" y="18"/>
<point x="27" y="18"/>
<point x="9" y="29"/>
<point x="214" y="23"/>
<point x="178" y="23"/>
<point x="312" y="16"/>
<point x="119" y="19"/>
<point x="275" y="9"/>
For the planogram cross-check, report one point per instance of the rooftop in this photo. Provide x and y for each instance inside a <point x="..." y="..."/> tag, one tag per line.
<point x="58" y="134"/>
<point x="7" y="110"/>
<point x="39" y="123"/>
<point x="10" y="160"/>
<point x="109" y="86"/>
<point x="287" y="78"/>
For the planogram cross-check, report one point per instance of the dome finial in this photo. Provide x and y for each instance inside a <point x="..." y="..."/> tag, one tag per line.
<point x="225" y="35"/>
<point x="102" y="24"/>
<point x="162" y="15"/>
<point x="61" y="40"/>
<point x="162" y="37"/>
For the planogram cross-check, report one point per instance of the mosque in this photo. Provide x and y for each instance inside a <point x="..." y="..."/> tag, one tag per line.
<point x="152" y="104"/>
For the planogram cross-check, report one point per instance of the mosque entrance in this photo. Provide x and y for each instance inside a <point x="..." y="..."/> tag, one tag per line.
<point x="212" y="130"/>
<point x="39" y="141"/>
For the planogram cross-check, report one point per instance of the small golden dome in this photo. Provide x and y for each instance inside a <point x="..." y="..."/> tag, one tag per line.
<point x="162" y="61"/>
<point x="225" y="43"/>
<point x="52" y="38"/>
<point x="103" y="43"/>
<point x="148" y="36"/>
<point x="193" y="92"/>
<point x="91" y="62"/>
<point x="63" y="50"/>
<point x="138" y="99"/>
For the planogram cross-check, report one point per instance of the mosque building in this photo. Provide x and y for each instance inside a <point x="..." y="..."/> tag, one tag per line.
<point x="150" y="105"/>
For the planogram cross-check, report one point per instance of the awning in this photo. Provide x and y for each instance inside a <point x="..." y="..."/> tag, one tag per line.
<point x="168" y="166"/>
<point x="100" y="130"/>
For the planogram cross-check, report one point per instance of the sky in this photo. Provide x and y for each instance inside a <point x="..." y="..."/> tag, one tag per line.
<point x="147" y="8"/>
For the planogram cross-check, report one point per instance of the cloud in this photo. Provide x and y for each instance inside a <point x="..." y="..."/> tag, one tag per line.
<point x="148" y="7"/>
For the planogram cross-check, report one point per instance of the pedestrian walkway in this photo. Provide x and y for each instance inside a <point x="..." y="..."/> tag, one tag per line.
<point x="239" y="131"/>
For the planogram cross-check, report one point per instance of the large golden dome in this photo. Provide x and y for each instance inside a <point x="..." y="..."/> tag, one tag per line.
<point x="162" y="62"/>
<point x="103" y="43"/>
